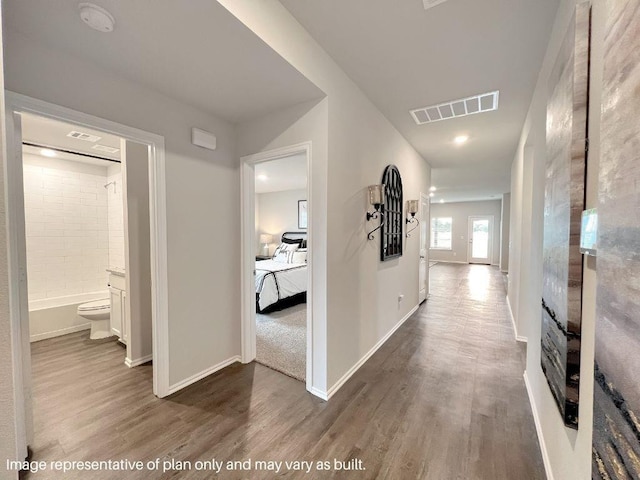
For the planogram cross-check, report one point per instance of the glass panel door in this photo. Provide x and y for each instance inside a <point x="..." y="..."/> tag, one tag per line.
<point x="480" y="239"/>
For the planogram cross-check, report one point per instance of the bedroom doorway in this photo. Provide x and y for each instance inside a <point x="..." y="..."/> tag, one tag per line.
<point x="276" y="265"/>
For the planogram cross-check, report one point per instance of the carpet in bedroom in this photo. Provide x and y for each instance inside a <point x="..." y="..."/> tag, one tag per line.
<point x="281" y="340"/>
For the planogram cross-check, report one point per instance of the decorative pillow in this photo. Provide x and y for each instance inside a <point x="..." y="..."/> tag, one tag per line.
<point x="299" y="256"/>
<point x="284" y="253"/>
<point x="293" y="241"/>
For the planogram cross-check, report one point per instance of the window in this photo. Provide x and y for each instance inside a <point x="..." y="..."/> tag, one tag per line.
<point x="441" y="229"/>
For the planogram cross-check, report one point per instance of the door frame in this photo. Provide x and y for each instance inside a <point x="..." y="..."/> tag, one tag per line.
<point x="490" y="240"/>
<point x="425" y="199"/>
<point x="16" y="104"/>
<point x="248" y="242"/>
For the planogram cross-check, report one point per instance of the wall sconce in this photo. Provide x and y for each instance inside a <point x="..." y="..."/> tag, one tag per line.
<point x="376" y="199"/>
<point x="265" y="240"/>
<point x="412" y="209"/>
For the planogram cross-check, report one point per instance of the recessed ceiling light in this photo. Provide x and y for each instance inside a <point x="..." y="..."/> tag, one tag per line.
<point x="432" y="189"/>
<point x="96" y="17"/>
<point x="47" y="152"/>
<point x="442" y="200"/>
<point x="460" y="139"/>
<point x="263" y="177"/>
<point x="432" y="194"/>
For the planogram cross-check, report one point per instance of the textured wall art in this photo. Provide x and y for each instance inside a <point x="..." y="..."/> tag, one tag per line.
<point x="564" y="202"/>
<point x="616" y="428"/>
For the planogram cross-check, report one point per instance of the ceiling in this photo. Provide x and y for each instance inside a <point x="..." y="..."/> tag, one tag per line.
<point x="289" y="173"/>
<point x="178" y="50"/>
<point x="53" y="133"/>
<point x="404" y="57"/>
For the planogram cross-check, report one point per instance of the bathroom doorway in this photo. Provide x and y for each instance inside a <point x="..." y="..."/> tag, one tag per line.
<point x="61" y="245"/>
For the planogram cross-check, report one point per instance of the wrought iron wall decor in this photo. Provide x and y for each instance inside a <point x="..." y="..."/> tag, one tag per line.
<point x="564" y="203"/>
<point x="392" y="221"/>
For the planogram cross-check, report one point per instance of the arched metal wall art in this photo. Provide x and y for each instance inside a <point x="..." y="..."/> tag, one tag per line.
<point x="393" y="220"/>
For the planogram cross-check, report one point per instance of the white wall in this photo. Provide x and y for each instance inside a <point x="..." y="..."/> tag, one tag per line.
<point x="567" y="452"/>
<point x="197" y="180"/>
<point x="137" y="247"/>
<point x="115" y="218"/>
<point x="66" y="227"/>
<point x="361" y="142"/>
<point x="276" y="213"/>
<point x="460" y="213"/>
<point x="504" y="232"/>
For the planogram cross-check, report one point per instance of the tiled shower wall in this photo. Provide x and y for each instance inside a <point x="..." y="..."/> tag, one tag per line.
<point x="66" y="227"/>
<point x="115" y="216"/>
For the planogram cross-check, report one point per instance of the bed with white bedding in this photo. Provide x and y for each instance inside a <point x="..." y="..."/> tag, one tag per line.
<point x="282" y="280"/>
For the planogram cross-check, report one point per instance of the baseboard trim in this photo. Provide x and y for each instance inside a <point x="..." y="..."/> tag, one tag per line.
<point x="204" y="373"/>
<point x="519" y="338"/>
<point x="321" y="394"/>
<point x="58" y="333"/>
<point x="449" y="261"/>
<point x="329" y="393"/>
<point x="138" y="361"/>
<point x="536" y="420"/>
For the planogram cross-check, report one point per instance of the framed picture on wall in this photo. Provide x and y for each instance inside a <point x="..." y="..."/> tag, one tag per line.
<point x="302" y="214"/>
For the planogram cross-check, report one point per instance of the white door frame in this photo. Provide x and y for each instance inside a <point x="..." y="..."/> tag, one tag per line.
<point x="18" y="294"/>
<point x="470" y="237"/>
<point x="425" y="218"/>
<point x="248" y="265"/>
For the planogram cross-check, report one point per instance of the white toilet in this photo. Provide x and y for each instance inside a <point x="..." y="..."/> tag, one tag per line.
<point x="99" y="312"/>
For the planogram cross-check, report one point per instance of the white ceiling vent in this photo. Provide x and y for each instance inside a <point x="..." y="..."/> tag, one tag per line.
<point x="83" y="136"/>
<point x="432" y="3"/>
<point x="105" y="148"/>
<point x="485" y="102"/>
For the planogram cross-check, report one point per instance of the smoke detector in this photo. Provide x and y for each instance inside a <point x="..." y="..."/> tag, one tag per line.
<point x="96" y="17"/>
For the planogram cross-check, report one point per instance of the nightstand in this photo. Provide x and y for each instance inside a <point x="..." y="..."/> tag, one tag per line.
<point x="262" y="257"/>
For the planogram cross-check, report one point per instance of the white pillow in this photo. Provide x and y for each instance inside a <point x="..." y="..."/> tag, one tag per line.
<point x="284" y="253"/>
<point x="299" y="256"/>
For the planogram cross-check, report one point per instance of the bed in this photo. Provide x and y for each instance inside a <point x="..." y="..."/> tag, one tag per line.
<point x="281" y="281"/>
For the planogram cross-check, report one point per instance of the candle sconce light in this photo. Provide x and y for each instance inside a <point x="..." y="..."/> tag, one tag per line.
<point x="412" y="209"/>
<point x="376" y="200"/>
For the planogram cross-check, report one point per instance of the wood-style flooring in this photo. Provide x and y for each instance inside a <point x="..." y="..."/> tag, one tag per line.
<point x="442" y="399"/>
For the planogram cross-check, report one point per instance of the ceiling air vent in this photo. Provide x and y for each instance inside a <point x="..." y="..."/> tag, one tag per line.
<point x="83" y="136"/>
<point x="104" y="148"/>
<point x="485" y="102"/>
<point x="432" y="3"/>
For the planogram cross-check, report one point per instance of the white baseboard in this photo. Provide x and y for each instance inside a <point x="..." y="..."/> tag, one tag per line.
<point x="58" y="333"/>
<point x="536" y="420"/>
<point x="449" y="261"/>
<point x="204" y="373"/>
<point x="138" y="361"/>
<point x="319" y="393"/>
<point x="329" y="393"/>
<point x="519" y="338"/>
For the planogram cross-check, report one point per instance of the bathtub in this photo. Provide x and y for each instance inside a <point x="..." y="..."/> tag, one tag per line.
<point x="52" y="317"/>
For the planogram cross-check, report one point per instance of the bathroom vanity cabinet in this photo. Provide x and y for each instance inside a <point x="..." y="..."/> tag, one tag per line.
<point x="119" y="315"/>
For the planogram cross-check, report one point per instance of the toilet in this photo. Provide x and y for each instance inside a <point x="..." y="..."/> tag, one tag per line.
<point x="99" y="312"/>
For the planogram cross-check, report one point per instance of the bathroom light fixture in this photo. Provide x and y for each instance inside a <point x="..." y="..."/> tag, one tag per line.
<point x="412" y="209"/>
<point x="376" y="199"/>
<point x="96" y="17"/>
<point x="265" y="240"/>
<point x="47" y="152"/>
<point x="432" y="194"/>
<point x="460" y="139"/>
<point x="432" y="189"/>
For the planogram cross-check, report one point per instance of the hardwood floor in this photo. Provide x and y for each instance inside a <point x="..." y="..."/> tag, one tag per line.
<point x="443" y="399"/>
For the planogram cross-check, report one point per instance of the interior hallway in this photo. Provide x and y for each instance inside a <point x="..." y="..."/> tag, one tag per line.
<point x="444" y="398"/>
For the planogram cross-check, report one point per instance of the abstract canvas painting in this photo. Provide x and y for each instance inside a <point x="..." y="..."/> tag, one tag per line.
<point x="563" y="206"/>
<point x="616" y="427"/>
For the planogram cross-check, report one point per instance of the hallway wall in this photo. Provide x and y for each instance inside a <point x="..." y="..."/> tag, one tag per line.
<point x="460" y="213"/>
<point x="361" y="142"/>
<point x="567" y="452"/>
